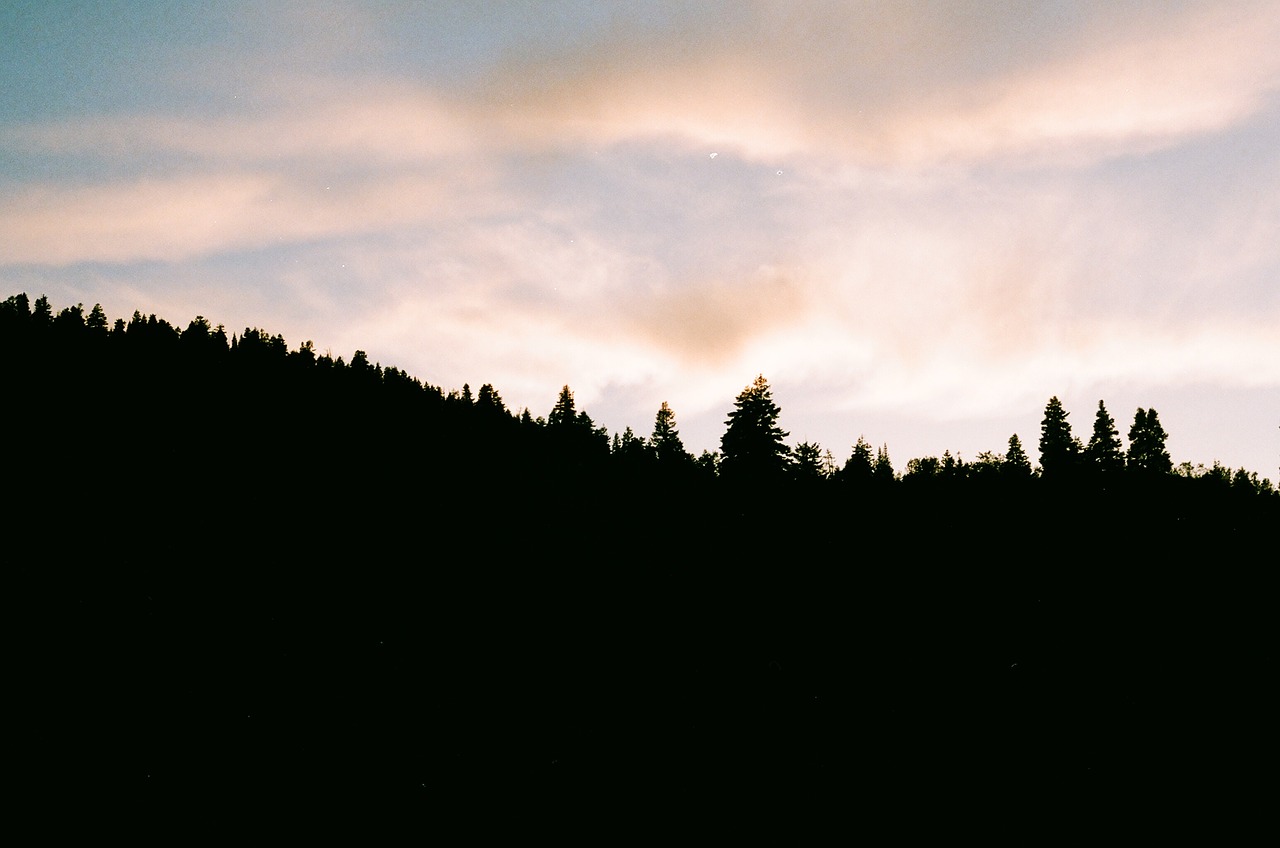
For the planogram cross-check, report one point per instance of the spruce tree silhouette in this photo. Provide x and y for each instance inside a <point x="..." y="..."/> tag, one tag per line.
<point x="859" y="467"/>
<point x="631" y="456"/>
<point x="96" y="322"/>
<point x="666" y="442"/>
<point x="752" y="448"/>
<point x="1147" y="453"/>
<point x="1016" y="463"/>
<point x="807" y="465"/>
<point x="578" y="450"/>
<point x="489" y="402"/>
<point x="42" y="315"/>
<point x="1058" y="449"/>
<point x="882" y="473"/>
<point x="563" y="414"/>
<point x="1104" y="453"/>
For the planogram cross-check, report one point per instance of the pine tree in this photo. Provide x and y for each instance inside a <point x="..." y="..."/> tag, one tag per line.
<point x="988" y="465"/>
<point x="563" y="413"/>
<point x="630" y="449"/>
<point x="578" y="445"/>
<point x="1058" y="448"/>
<point x="1147" y="453"/>
<point x="1016" y="463"/>
<point x="921" y="468"/>
<point x="197" y="331"/>
<point x="97" y="322"/>
<point x="1158" y="455"/>
<point x="708" y="463"/>
<point x="489" y="401"/>
<point x="952" y="466"/>
<point x="752" y="447"/>
<point x="42" y="315"/>
<point x="666" y="443"/>
<point x="860" y="465"/>
<point x="17" y="307"/>
<point x="70" y="319"/>
<point x="808" y="462"/>
<point x="883" y="471"/>
<point x="1104" y="452"/>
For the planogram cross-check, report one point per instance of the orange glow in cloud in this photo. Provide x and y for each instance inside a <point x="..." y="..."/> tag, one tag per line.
<point x="914" y="205"/>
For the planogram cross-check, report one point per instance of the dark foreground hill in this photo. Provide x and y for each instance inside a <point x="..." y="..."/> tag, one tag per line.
<point x="414" y="662"/>
<point x="254" y="576"/>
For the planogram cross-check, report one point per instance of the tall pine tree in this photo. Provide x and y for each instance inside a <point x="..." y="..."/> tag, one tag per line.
<point x="1058" y="449"/>
<point x="860" y="466"/>
<point x="1104" y="452"/>
<point x="1147" y="453"/>
<point x="563" y="413"/>
<point x="752" y="448"/>
<point x="883" y="472"/>
<point x="666" y="442"/>
<point x="1016" y="463"/>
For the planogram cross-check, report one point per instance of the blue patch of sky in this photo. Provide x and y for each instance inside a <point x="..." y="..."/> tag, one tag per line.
<point x="82" y="167"/>
<point x="67" y="59"/>
<point x="78" y="59"/>
<point x="454" y="42"/>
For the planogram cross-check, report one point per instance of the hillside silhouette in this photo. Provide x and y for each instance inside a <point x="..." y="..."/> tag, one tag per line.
<point x="268" y="567"/>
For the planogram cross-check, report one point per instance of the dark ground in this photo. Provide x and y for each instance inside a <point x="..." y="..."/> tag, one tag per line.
<point x="468" y="654"/>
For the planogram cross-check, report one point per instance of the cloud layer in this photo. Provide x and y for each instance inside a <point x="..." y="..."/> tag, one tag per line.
<point x="938" y="211"/>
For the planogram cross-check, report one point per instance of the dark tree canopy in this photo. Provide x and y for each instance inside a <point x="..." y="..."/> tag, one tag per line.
<point x="42" y="314"/>
<point x="808" y="464"/>
<point x="1104" y="452"/>
<point x="1147" y="452"/>
<point x="753" y="446"/>
<point x="489" y="401"/>
<point x="1016" y="463"/>
<point x="563" y="413"/>
<point x="666" y="443"/>
<point x="922" y="468"/>
<point x="860" y="465"/>
<point x="146" y="367"/>
<point x="1058" y="451"/>
<point x="97" y="321"/>
<point x="325" y="572"/>
<point x="883" y="472"/>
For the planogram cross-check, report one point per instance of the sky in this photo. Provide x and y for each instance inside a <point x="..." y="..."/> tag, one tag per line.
<point x="918" y="220"/>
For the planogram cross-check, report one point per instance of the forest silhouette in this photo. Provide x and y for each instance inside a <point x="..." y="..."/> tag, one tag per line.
<point x="274" y="565"/>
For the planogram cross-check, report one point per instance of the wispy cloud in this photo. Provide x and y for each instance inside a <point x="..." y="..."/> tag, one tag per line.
<point x="380" y="123"/>
<point x="942" y="208"/>
<point x="183" y="218"/>
<point x="906" y="84"/>
<point x="712" y="321"/>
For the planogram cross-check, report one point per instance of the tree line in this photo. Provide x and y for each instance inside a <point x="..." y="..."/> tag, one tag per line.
<point x="94" y="373"/>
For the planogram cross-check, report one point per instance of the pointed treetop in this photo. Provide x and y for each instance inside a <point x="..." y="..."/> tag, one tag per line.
<point x="861" y="463"/>
<point x="808" y="465"/>
<point x="1058" y="448"/>
<point x="563" y="412"/>
<point x="753" y="446"/>
<point x="1104" y="452"/>
<point x="883" y="470"/>
<point x="665" y="440"/>
<point x="1015" y="458"/>
<point x="1147" y="452"/>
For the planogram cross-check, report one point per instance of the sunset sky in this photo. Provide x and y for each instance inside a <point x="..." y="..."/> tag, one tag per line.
<point x="919" y="220"/>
